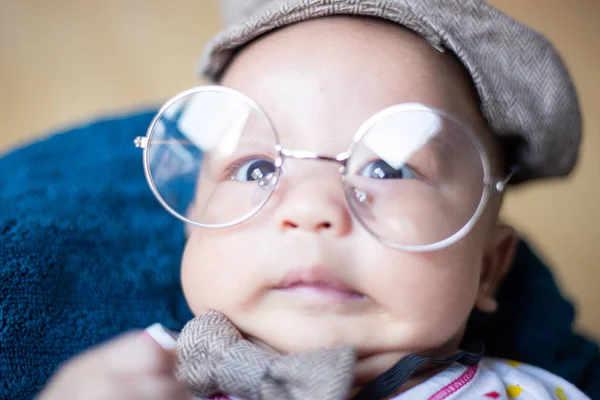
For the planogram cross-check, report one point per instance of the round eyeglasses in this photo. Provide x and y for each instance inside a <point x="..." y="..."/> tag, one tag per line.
<point x="414" y="176"/>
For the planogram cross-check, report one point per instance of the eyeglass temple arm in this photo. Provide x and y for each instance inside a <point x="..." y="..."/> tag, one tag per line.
<point x="141" y="142"/>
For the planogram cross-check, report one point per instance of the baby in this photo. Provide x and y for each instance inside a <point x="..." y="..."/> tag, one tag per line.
<point x="342" y="188"/>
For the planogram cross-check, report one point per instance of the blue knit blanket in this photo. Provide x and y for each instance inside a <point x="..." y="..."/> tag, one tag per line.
<point x="86" y="252"/>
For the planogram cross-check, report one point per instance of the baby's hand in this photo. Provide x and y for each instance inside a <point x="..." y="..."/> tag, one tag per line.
<point x="127" y="368"/>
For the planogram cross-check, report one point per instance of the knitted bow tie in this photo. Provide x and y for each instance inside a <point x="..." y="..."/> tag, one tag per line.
<point x="214" y="358"/>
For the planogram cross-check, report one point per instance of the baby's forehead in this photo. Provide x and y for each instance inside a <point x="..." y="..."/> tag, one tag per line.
<point x="335" y="51"/>
<point x="316" y="88"/>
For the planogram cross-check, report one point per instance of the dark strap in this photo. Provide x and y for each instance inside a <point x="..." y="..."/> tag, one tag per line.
<point x="392" y="380"/>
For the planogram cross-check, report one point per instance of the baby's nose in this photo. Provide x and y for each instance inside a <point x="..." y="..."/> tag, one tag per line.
<point x="315" y="205"/>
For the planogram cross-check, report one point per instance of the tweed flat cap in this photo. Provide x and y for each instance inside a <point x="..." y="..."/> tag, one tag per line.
<point x="525" y="91"/>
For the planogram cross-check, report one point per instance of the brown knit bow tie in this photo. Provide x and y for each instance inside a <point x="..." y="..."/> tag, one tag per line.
<point x="214" y="358"/>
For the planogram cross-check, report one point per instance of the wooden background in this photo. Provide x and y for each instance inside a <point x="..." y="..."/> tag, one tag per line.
<point x="63" y="62"/>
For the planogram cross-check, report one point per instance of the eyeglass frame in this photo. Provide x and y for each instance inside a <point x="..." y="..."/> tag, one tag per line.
<point x="498" y="186"/>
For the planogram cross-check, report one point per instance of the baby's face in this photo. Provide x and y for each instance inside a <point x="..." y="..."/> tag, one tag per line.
<point x="319" y="81"/>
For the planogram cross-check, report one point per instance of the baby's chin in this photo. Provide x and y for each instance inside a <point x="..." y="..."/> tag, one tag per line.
<point x="293" y="332"/>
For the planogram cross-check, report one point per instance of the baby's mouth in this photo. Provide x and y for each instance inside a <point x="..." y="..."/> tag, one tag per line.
<point x="317" y="283"/>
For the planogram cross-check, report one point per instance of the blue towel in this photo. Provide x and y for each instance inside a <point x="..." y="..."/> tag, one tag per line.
<point x="86" y="252"/>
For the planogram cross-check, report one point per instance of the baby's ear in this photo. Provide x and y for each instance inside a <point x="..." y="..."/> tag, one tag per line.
<point x="497" y="259"/>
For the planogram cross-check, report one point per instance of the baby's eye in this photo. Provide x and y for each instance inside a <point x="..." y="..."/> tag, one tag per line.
<point x="251" y="169"/>
<point x="379" y="169"/>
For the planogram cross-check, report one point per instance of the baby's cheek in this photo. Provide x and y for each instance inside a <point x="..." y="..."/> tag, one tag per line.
<point x="212" y="274"/>
<point x="425" y="296"/>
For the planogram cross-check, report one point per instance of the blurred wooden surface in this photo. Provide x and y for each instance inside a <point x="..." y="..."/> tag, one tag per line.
<point x="65" y="61"/>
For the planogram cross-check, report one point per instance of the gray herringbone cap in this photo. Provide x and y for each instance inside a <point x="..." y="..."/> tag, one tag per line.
<point x="526" y="92"/>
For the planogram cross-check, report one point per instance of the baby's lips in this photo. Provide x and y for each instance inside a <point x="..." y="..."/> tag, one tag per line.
<point x="315" y="276"/>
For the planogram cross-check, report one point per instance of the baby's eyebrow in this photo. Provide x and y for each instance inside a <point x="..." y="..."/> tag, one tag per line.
<point x="442" y="147"/>
<point x="267" y="145"/>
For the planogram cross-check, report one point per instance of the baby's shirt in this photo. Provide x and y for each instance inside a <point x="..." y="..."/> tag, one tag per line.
<point x="492" y="378"/>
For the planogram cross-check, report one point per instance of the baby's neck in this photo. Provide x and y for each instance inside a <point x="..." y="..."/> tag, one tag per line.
<point x="369" y="367"/>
